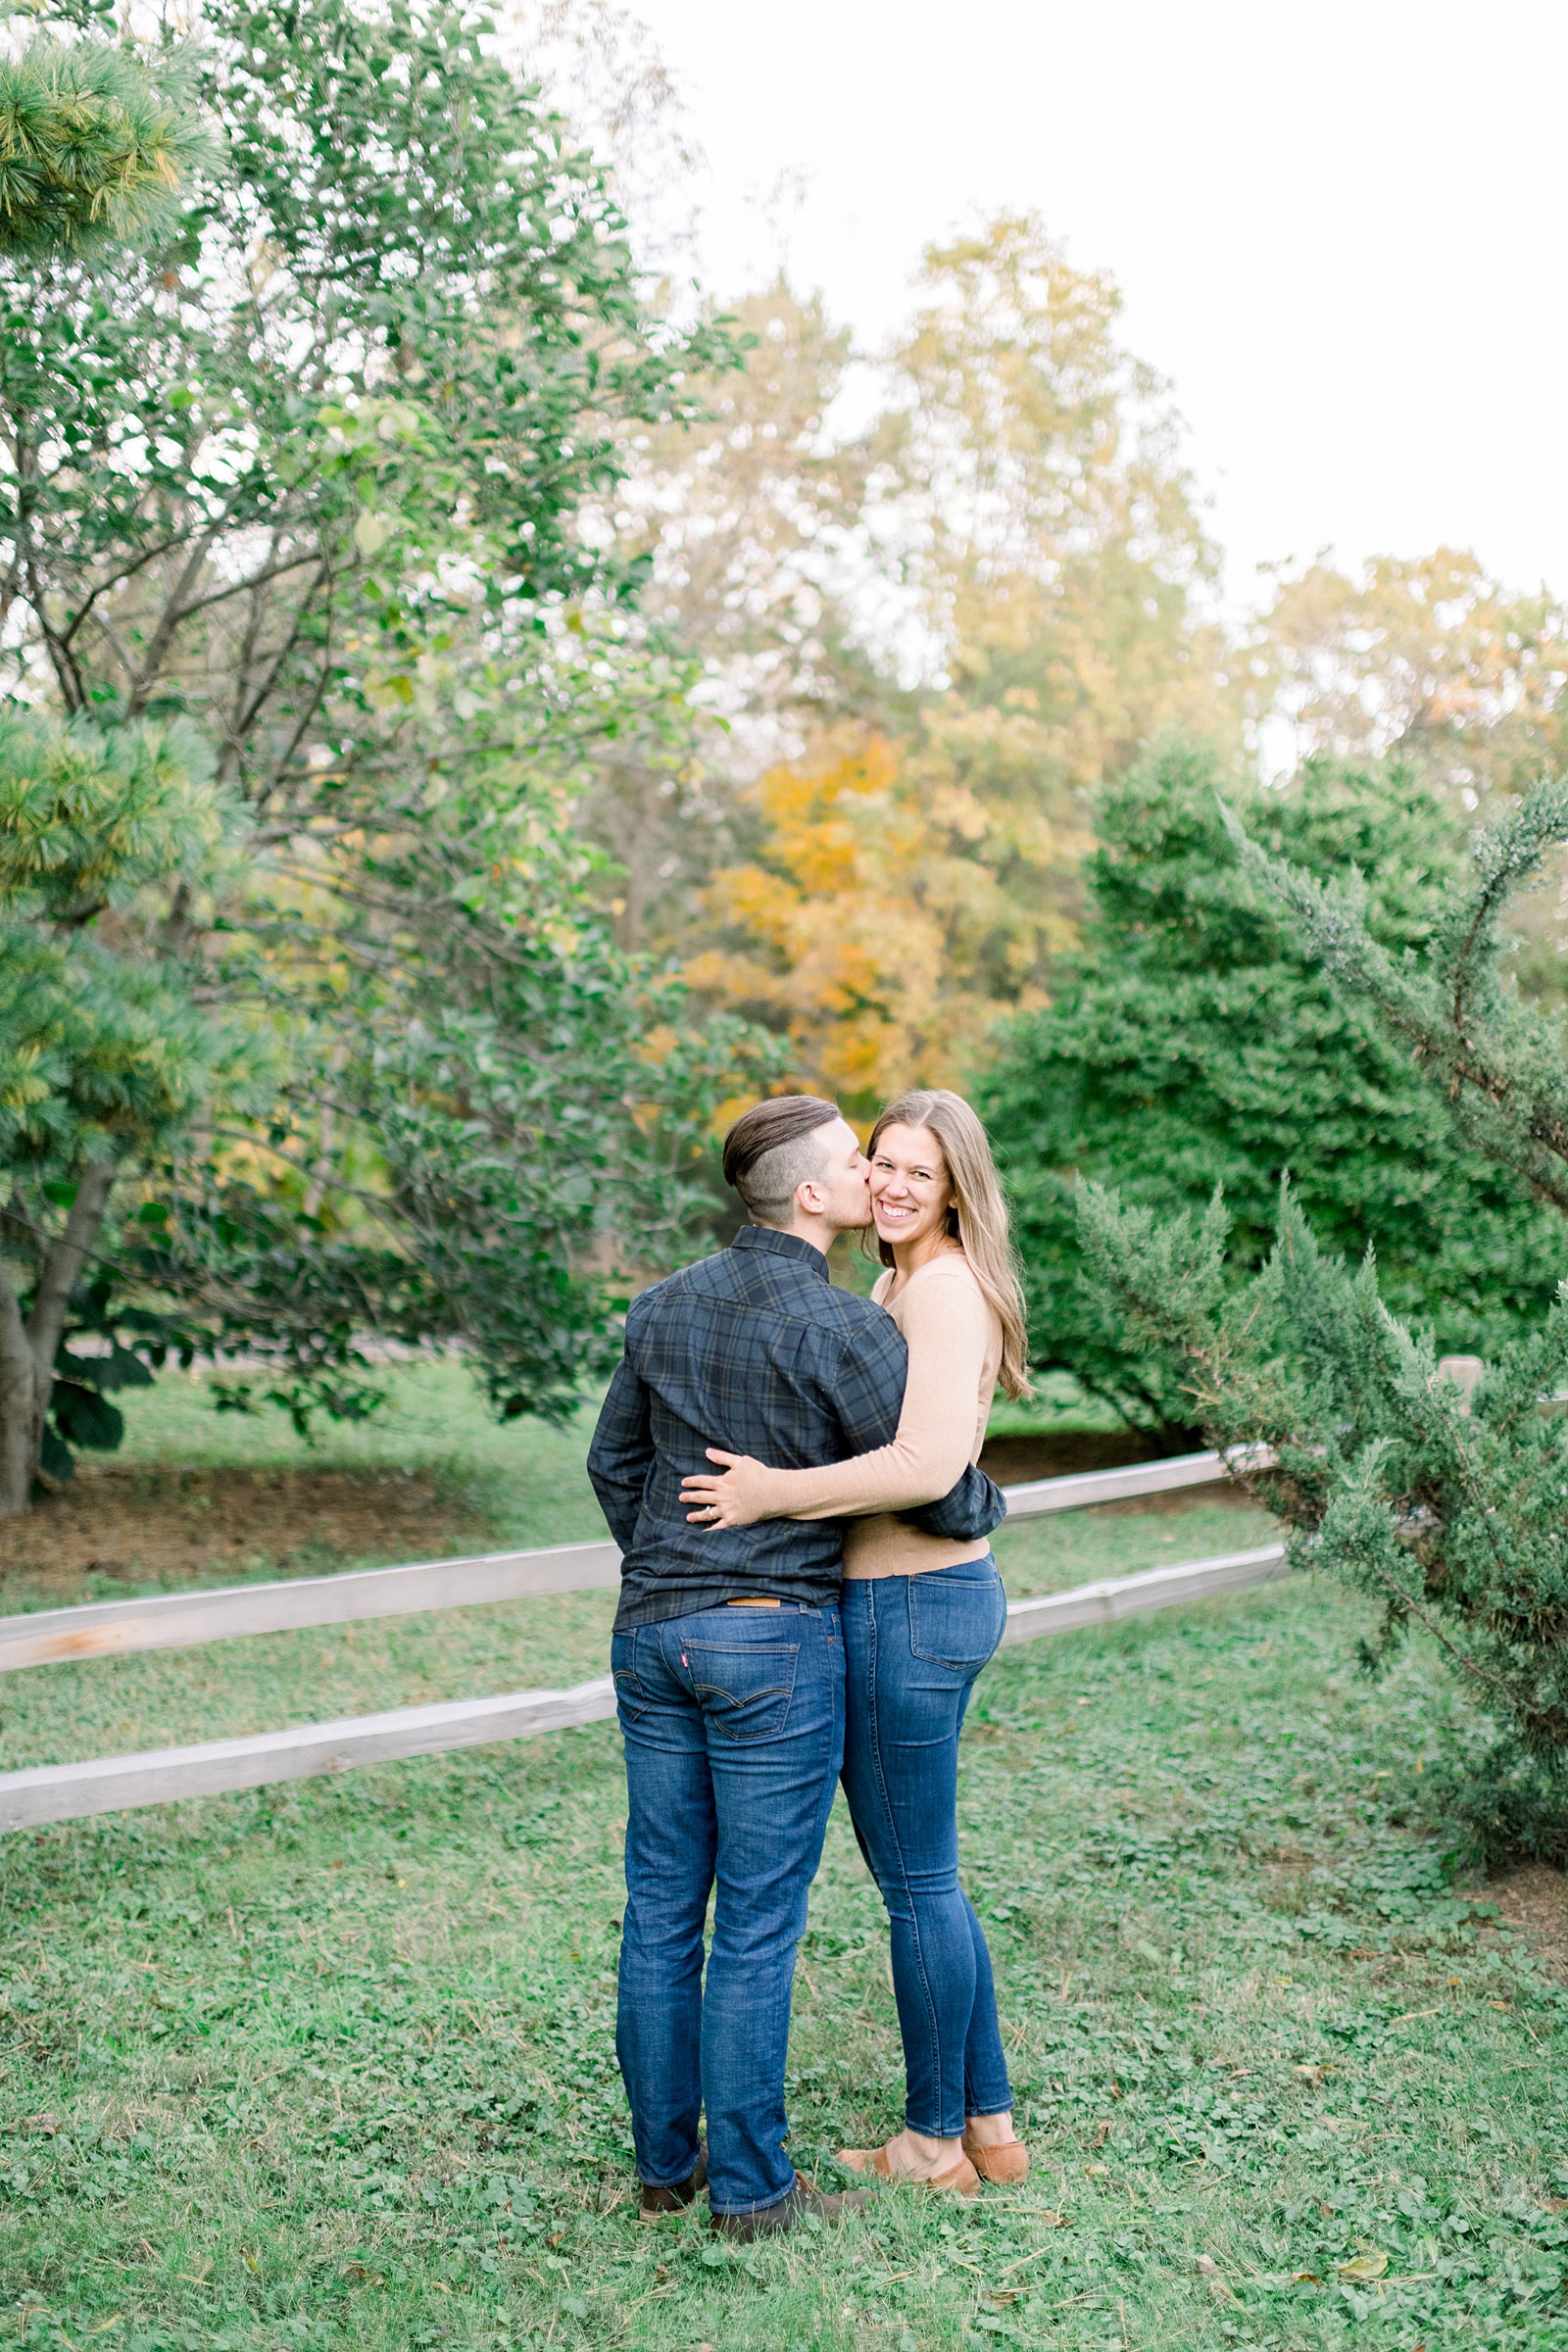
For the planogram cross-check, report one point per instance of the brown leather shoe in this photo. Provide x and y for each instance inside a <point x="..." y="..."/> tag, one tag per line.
<point x="675" y="2196"/>
<point x="1008" y="2159"/>
<point x="803" y="2198"/>
<point x="960" y="2178"/>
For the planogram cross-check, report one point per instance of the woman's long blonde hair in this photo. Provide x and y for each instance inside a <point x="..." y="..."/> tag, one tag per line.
<point x="977" y="1214"/>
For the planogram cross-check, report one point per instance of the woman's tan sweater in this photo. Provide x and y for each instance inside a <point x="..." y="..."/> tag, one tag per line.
<point x="954" y="1340"/>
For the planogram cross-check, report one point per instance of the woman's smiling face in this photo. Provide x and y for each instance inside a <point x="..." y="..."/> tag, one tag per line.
<point x="909" y="1188"/>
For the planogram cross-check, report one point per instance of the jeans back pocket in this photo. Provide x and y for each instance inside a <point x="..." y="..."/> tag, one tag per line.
<point x="744" y="1690"/>
<point x="956" y="1615"/>
<point x="631" y="1700"/>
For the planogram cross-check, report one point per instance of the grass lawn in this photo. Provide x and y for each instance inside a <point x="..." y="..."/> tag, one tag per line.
<point x="331" y="2065"/>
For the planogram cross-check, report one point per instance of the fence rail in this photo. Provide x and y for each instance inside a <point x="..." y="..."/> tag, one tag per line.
<point x="174" y="1620"/>
<point x="113" y="1784"/>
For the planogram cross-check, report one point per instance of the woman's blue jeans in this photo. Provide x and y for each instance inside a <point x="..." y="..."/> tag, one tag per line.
<point x="912" y="1647"/>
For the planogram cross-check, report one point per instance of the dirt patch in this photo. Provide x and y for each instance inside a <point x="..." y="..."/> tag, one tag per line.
<point x="1071" y="1453"/>
<point x="1535" y="1898"/>
<point x="182" y="1526"/>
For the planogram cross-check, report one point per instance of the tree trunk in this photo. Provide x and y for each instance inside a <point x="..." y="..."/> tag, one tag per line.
<point x="19" y="1390"/>
<point x="27" y="1350"/>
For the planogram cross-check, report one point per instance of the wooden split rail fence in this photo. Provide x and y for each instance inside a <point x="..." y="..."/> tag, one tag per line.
<point x="173" y="1621"/>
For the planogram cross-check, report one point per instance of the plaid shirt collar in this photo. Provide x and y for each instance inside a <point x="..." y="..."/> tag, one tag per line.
<point x="785" y="1245"/>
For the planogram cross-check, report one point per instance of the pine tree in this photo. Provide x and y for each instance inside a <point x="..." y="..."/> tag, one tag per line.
<point x="1195" y="1040"/>
<point x="96" y="145"/>
<point x="1447" y="1508"/>
<point x="106" y="1052"/>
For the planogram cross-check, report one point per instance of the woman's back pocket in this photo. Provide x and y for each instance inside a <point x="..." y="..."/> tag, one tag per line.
<point x="956" y="1616"/>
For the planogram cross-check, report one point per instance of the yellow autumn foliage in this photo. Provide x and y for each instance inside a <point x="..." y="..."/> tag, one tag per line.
<point x="1027" y="475"/>
<point x="842" y="932"/>
<point x="1429" y="659"/>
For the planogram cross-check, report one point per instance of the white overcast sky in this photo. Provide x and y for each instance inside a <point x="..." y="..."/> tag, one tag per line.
<point x="1339" y="227"/>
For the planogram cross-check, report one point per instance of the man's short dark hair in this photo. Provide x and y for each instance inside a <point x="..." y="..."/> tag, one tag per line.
<point x="774" y="1150"/>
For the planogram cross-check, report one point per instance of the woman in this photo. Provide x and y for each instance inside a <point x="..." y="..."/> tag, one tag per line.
<point x="921" y="1616"/>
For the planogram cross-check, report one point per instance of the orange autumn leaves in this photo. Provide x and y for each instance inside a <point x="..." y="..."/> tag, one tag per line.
<point x="843" y="930"/>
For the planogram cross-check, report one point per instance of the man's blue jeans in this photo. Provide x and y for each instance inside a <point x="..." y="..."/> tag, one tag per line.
<point x="914" y="1645"/>
<point x="733" y="1724"/>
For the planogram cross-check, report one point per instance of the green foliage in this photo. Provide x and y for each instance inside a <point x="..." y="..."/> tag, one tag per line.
<point x="360" y="394"/>
<point x="1448" y="1512"/>
<point x="305" y="471"/>
<point x="88" y="816"/>
<point x="104" y="1050"/>
<point x="107" y="1050"/>
<point x="96" y="144"/>
<point x="1198" y="1042"/>
<point x="1502" y="1065"/>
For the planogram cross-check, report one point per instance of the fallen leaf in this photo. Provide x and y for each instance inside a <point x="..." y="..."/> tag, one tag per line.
<point x="1364" y="2266"/>
<point x="1309" y="2074"/>
<point x="1102" y="2135"/>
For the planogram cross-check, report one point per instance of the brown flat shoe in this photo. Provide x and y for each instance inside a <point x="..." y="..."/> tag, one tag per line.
<point x="772" y="2219"/>
<point x="1008" y="2159"/>
<point x="957" y="2178"/>
<point x="676" y="2195"/>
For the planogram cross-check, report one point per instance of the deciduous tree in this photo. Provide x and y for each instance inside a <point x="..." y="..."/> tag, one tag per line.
<point x="1430" y="661"/>
<point x="750" y="526"/>
<point x="1025" y="484"/>
<point x="832" y="935"/>
<point x="308" y="468"/>
<point x="1053" y="532"/>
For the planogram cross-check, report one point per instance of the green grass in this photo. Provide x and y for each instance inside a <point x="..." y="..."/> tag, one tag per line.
<point x="332" y="2065"/>
<point x="1059" y="1403"/>
<point x="527" y="1479"/>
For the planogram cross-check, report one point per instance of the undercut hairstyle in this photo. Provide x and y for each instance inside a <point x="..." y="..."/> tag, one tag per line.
<point x="774" y="1150"/>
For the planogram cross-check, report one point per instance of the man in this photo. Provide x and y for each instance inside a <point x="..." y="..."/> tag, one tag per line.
<point x="727" y="1656"/>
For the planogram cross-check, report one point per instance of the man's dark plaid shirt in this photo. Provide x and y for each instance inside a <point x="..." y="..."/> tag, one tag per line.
<point x="756" y="1352"/>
